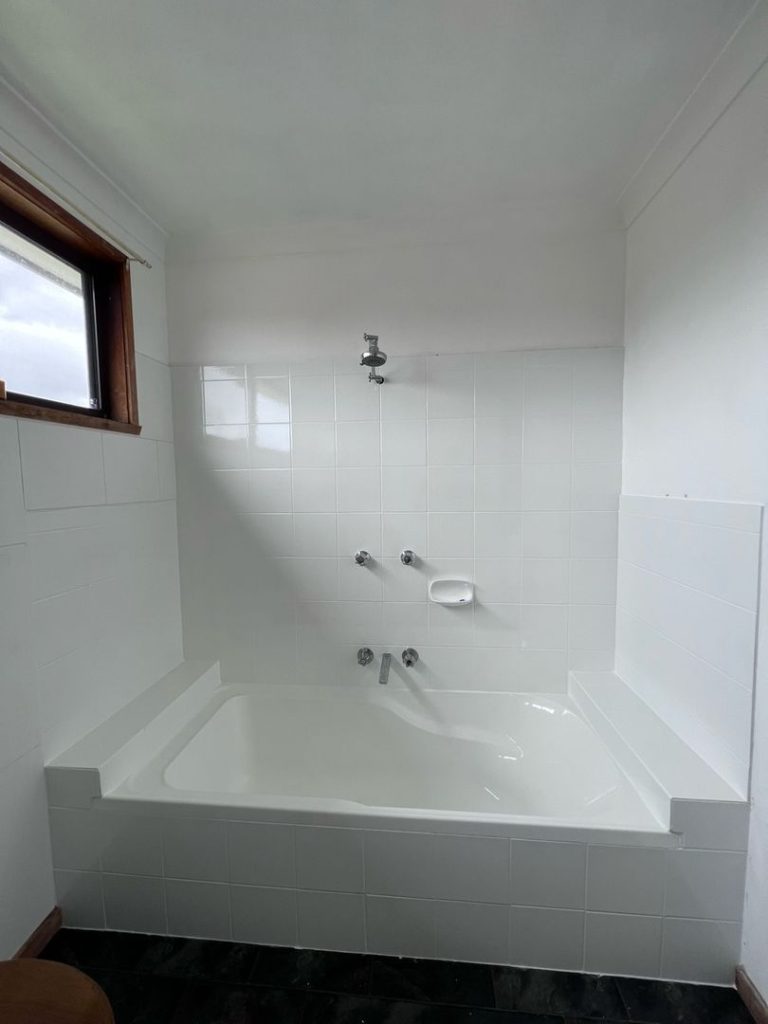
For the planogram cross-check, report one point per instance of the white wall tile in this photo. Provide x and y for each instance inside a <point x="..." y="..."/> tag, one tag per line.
<point x="403" y="443"/>
<point x="195" y="849"/>
<point x="398" y="927"/>
<point x="548" y="874"/>
<point x="593" y="581"/>
<point x="131" y="469"/>
<point x="134" y="904"/>
<point x="269" y="490"/>
<point x="498" y="442"/>
<point x="451" y="442"/>
<point x="498" y="580"/>
<point x="596" y="485"/>
<point x="475" y="932"/>
<point x="546" y="486"/>
<point x="153" y="384"/>
<point x="265" y="916"/>
<point x="403" y="489"/>
<point x="404" y="396"/>
<point x="450" y="534"/>
<point x="131" y="845"/>
<point x="545" y="534"/>
<point x="314" y="490"/>
<point x="357" y="444"/>
<point x="470" y="868"/>
<point x="268" y="400"/>
<point x="80" y="896"/>
<point x="224" y="401"/>
<point x="269" y="445"/>
<point x="313" y="445"/>
<point x="498" y="535"/>
<point x="703" y="951"/>
<point x="62" y="466"/>
<point x="592" y="627"/>
<point x="166" y="468"/>
<point x="544" y="938"/>
<point x="12" y="527"/>
<point x="356" y="398"/>
<point x="594" y="534"/>
<point x="330" y="859"/>
<point x="261" y="854"/>
<point x="545" y="580"/>
<point x="625" y="879"/>
<point x="450" y="489"/>
<point x="359" y="530"/>
<point x="398" y="863"/>
<point x="312" y="399"/>
<point x="331" y="920"/>
<point x="705" y="884"/>
<point x="499" y="384"/>
<point x="359" y="489"/>
<point x="450" y="392"/>
<point x="498" y="489"/>
<point x="198" y="909"/>
<point x="314" y="534"/>
<point x="622" y="944"/>
<point x="224" y="447"/>
<point x="404" y="530"/>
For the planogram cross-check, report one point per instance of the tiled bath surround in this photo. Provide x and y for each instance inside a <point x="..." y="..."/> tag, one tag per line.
<point x="589" y="905"/>
<point x="501" y="468"/>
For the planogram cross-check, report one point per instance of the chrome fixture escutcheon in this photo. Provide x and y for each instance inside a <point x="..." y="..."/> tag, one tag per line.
<point x="410" y="656"/>
<point x="407" y="557"/>
<point x="364" y="656"/>
<point x="362" y="557"/>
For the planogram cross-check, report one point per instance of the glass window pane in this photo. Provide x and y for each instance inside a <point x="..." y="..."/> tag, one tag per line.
<point x="44" y="344"/>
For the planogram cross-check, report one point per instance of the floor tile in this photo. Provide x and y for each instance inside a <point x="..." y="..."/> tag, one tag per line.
<point x="328" y="1009"/>
<point x="432" y="981"/>
<point x="107" y="950"/>
<point x="140" y="999"/>
<point x="238" y="1004"/>
<point x="668" y="1002"/>
<point x="556" y="992"/>
<point x="198" y="959"/>
<point x="312" y="969"/>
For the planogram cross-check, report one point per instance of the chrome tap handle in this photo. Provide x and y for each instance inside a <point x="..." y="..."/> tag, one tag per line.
<point x="407" y="557"/>
<point x="410" y="656"/>
<point x="362" y="557"/>
<point x="364" y="656"/>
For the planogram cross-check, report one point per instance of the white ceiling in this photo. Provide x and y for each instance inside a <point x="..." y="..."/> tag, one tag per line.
<point x="218" y="113"/>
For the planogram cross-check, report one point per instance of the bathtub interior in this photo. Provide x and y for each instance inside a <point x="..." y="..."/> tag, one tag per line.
<point x="518" y="755"/>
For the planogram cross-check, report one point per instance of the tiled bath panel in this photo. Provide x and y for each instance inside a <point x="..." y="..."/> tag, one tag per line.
<point x="159" y="980"/>
<point x="631" y="910"/>
<point x="500" y="468"/>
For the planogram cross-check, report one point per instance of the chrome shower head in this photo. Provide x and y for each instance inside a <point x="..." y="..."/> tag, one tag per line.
<point x="373" y="356"/>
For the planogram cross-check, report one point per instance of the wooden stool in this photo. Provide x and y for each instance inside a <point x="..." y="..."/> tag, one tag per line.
<point x="44" y="992"/>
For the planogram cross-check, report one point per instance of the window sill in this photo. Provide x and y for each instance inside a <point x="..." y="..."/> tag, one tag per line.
<point x="27" y="410"/>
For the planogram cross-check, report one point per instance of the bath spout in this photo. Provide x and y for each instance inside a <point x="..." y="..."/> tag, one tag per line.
<point x="384" y="670"/>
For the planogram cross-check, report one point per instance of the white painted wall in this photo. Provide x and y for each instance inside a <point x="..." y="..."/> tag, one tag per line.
<point x="696" y="416"/>
<point x="89" y="591"/>
<point x="518" y="283"/>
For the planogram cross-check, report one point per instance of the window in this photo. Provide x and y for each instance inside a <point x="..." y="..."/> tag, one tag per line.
<point x="66" y="337"/>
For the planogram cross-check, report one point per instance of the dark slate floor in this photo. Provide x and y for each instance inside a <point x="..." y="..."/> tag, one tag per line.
<point x="159" y="980"/>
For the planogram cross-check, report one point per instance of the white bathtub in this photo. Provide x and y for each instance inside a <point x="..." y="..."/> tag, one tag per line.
<point x="491" y="827"/>
<point x="518" y="758"/>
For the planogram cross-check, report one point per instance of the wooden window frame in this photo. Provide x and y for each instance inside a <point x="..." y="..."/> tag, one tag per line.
<point x="34" y="215"/>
